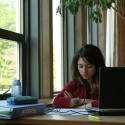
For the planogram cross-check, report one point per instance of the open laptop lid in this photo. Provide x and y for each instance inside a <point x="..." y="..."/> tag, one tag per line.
<point x="112" y="88"/>
<point x="112" y="91"/>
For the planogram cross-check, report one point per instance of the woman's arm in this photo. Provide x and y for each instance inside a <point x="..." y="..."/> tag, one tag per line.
<point x="63" y="98"/>
<point x="70" y="96"/>
<point x="77" y="102"/>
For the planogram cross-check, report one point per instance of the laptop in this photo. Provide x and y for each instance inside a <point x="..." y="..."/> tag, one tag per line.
<point x="112" y="92"/>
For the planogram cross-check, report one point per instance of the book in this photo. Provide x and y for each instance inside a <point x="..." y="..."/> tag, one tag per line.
<point x="8" y="111"/>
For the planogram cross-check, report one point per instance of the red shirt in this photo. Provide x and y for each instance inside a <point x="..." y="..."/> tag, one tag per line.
<point x="77" y="91"/>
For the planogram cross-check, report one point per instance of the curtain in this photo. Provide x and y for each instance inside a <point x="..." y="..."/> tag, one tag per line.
<point x="119" y="40"/>
<point x="115" y="38"/>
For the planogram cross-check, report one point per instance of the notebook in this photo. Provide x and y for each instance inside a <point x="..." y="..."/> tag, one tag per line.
<point x="8" y="111"/>
<point x="112" y="92"/>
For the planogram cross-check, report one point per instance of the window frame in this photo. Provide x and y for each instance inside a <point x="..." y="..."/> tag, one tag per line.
<point x="20" y="39"/>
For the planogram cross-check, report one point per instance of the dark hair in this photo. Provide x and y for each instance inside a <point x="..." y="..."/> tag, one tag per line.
<point x="94" y="56"/>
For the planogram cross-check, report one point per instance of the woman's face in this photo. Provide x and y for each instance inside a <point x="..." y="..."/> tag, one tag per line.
<point x="86" y="69"/>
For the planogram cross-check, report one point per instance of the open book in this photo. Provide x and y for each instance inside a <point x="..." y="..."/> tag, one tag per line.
<point x="8" y="111"/>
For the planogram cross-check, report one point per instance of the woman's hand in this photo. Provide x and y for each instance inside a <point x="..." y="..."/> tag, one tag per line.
<point x="88" y="105"/>
<point x="75" y="101"/>
<point x="67" y="94"/>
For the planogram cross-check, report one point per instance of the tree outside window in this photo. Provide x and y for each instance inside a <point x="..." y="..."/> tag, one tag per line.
<point x="8" y="49"/>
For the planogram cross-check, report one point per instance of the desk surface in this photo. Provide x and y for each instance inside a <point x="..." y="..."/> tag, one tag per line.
<point x="65" y="120"/>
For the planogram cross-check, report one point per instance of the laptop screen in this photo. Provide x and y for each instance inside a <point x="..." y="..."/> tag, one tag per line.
<point x="112" y="88"/>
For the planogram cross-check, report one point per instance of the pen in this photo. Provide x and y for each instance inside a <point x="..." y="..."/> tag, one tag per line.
<point x="93" y="117"/>
<point x="5" y="92"/>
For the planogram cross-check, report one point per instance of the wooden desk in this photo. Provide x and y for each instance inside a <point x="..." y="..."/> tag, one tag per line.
<point x="65" y="120"/>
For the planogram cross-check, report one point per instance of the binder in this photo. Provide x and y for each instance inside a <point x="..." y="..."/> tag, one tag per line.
<point x="8" y="111"/>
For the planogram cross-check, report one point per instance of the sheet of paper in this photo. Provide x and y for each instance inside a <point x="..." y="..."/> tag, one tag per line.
<point x="68" y="111"/>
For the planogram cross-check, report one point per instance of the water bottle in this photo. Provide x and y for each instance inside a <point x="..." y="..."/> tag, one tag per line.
<point x="16" y="88"/>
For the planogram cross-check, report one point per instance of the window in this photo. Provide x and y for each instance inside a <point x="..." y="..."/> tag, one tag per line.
<point x="110" y="37"/>
<point x="11" y="39"/>
<point x="57" y="48"/>
<point x="8" y="64"/>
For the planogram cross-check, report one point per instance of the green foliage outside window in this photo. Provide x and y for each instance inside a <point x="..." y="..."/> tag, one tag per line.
<point x="7" y="48"/>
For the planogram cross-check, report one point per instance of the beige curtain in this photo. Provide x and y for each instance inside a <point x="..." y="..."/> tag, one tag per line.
<point x="119" y="41"/>
<point x="80" y="22"/>
<point x="102" y="33"/>
<point x="46" y="49"/>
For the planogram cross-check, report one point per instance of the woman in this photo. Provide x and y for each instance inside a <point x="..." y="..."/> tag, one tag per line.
<point x="84" y="85"/>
